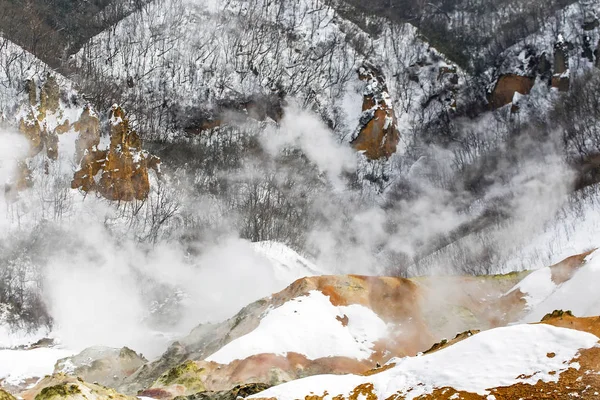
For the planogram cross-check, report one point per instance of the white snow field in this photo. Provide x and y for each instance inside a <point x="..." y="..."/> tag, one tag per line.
<point x="579" y="294"/>
<point x="489" y="359"/>
<point x="307" y="325"/>
<point x="18" y="366"/>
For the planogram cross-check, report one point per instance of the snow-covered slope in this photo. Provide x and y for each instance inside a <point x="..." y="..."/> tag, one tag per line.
<point x="500" y="357"/>
<point x="18" y="65"/>
<point x="169" y="55"/>
<point x="19" y="367"/>
<point x="283" y="265"/>
<point x="309" y="325"/>
<point x="571" y="227"/>
<point x="287" y="264"/>
<point x="577" y="294"/>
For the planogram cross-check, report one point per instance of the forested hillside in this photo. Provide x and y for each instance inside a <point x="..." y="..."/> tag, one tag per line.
<point x="388" y="172"/>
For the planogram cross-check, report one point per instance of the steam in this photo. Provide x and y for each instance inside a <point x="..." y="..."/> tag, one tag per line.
<point x="121" y="294"/>
<point x="304" y="130"/>
<point x="103" y="287"/>
<point x="13" y="148"/>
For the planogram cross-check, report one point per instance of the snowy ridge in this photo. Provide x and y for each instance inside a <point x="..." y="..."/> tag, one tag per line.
<point x="17" y="366"/>
<point x="17" y="66"/>
<point x="578" y="294"/>
<point x="499" y="357"/>
<point x="288" y="265"/>
<point x="312" y="326"/>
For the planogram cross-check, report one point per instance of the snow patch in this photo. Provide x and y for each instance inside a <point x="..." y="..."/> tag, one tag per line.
<point x="17" y="366"/>
<point x="309" y="325"/>
<point x="536" y="287"/>
<point x="288" y="265"/>
<point x="489" y="359"/>
<point x="579" y="294"/>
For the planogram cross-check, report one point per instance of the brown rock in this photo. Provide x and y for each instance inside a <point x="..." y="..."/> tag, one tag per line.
<point x="119" y="173"/>
<point x="506" y="87"/>
<point x="31" y="89"/>
<point x="102" y="365"/>
<point x="378" y="134"/>
<point x="564" y="270"/>
<point x="561" y="82"/>
<point x="61" y="386"/>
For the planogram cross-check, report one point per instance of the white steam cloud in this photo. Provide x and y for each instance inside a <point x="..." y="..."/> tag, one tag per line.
<point x="99" y="292"/>
<point x="304" y="130"/>
<point x="105" y="288"/>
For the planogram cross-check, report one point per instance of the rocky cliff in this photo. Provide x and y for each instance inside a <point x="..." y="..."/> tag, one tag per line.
<point x="61" y="132"/>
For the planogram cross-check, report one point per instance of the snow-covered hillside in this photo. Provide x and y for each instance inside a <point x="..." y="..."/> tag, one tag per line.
<point x="170" y="55"/>
<point x="19" y="367"/>
<point x="275" y="261"/>
<point x="500" y="357"/>
<point x="545" y="293"/>
<point x="309" y="325"/>
<point x="296" y="192"/>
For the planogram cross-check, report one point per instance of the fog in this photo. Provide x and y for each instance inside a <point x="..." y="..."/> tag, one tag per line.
<point x="103" y="286"/>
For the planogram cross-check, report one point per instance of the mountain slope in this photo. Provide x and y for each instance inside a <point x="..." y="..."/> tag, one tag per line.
<point x="523" y="359"/>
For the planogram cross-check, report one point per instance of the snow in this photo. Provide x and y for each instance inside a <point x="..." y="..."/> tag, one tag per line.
<point x="287" y="264"/>
<point x="573" y="231"/>
<point x="489" y="359"/>
<point x="308" y="325"/>
<point x="579" y="294"/>
<point x="16" y="366"/>
<point x="533" y="244"/>
<point x="536" y="287"/>
<point x="10" y="339"/>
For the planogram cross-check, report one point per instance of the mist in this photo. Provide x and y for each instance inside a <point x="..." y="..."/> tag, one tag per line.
<point x="103" y="285"/>
<point x="101" y="291"/>
<point x="13" y="149"/>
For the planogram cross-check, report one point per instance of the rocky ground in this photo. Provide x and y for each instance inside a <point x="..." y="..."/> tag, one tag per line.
<point x="364" y="330"/>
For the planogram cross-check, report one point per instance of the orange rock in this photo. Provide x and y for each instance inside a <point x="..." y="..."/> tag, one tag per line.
<point x="506" y="87"/>
<point x="88" y="128"/>
<point x="119" y="173"/>
<point x="378" y="135"/>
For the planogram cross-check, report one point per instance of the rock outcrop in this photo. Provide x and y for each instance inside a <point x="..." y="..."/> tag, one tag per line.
<point x="378" y="134"/>
<point x="560" y="77"/>
<point x="506" y="87"/>
<point x="112" y="161"/>
<point x="60" y="386"/>
<point x="241" y="391"/>
<point x="106" y="366"/>
<point x="421" y="311"/>
<point x="40" y="123"/>
<point x="266" y="369"/>
<point x="118" y="170"/>
<point x="257" y="107"/>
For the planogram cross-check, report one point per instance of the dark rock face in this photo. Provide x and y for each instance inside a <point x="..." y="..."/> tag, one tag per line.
<point x="104" y="365"/>
<point x="256" y="107"/>
<point x="560" y="78"/>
